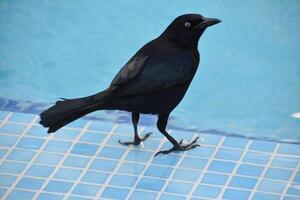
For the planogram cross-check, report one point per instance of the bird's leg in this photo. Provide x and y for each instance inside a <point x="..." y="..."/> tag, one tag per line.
<point x="161" y="125"/>
<point x="137" y="140"/>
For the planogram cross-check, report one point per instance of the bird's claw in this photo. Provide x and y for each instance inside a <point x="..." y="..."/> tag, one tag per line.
<point x="180" y="147"/>
<point x="136" y="141"/>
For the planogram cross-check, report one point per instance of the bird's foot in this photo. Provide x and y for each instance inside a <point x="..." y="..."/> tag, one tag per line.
<point x="137" y="140"/>
<point x="180" y="147"/>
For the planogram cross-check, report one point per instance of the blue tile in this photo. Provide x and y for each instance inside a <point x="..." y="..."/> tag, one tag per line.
<point x="276" y="173"/>
<point x="21" y="155"/>
<point x="235" y="142"/>
<point x="221" y="166"/>
<point x="232" y="194"/>
<point x="259" y="145"/>
<point x="243" y="182"/>
<point x="131" y="168"/>
<point x="291" y="149"/>
<point x="297" y="177"/>
<point x="210" y="139"/>
<point x="138" y="155"/>
<point x="46" y="196"/>
<point x="204" y="151"/>
<point x="265" y="196"/>
<point x="207" y="191"/>
<point x="3" y="114"/>
<point x="215" y="179"/>
<point x="40" y="171"/>
<point x="104" y="165"/>
<point x="126" y="129"/>
<point x="7" y="180"/>
<point x="138" y="195"/>
<point x="114" y="140"/>
<point x="79" y="123"/>
<point x="112" y="152"/>
<point x="172" y="197"/>
<point x="78" y="198"/>
<point x="186" y="175"/>
<point x="2" y="152"/>
<point x="250" y="170"/>
<point x="95" y="177"/>
<point x="67" y="174"/>
<point x="150" y="184"/>
<point x="12" y="167"/>
<point x="9" y="128"/>
<point x="58" y="186"/>
<point x="20" y="195"/>
<point x="294" y="190"/>
<point x="150" y="144"/>
<point x="179" y="187"/>
<point x="58" y="146"/>
<point x="30" y="183"/>
<point x="194" y="163"/>
<point x="84" y="149"/>
<point x="123" y="180"/>
<point x="93" y="137"/>
<point x="49" y="158"/>
<point x="37" y="131"/>
<point x="228" y="154"/>
<point x="170" y="159"/>
<point x="30" y="143"/>
<point x="86" y="189"/>
<point x="7" y="141"/>
<point x="76" y="161"/>
<point x="179" y="134"/>
<point x="256" y="157"/>
<point x="158" y="171"/>
<point x="66" y="134"/>
<point x="21" y="117"/>
<point x="285" y="162"/>
<point x="2" y="192"/>
<point x="115" y="193"/>
<point x="101" y="126"/>
<point x="271" y="186"/>
<point x="290" y="198"/>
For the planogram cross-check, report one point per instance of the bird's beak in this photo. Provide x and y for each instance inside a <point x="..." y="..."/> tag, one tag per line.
<point x="207" y="22"/>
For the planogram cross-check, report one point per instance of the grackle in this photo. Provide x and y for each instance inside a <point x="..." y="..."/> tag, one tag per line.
<point x="153" y="81"/>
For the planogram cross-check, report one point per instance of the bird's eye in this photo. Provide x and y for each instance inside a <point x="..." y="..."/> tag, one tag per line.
<point x="187" y="24"/>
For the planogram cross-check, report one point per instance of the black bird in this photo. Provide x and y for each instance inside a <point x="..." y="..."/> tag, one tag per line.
<point x="153" y="81"/>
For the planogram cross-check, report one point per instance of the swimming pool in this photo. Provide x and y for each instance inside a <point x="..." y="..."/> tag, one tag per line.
<point x="247" y="84"/>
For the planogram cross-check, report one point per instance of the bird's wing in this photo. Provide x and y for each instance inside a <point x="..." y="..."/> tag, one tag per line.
<point x="146" y="74"/>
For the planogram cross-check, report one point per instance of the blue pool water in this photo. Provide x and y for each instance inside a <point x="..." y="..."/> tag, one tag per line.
<point x="248" y="82"/>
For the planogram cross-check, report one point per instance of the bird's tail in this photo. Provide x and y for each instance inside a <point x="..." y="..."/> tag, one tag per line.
<point x="68" y="110"/>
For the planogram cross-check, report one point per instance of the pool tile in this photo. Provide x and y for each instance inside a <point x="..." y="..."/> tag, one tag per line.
<point x="207" y="191"/>
<point x="250" y="170"/>
<point x="66" y="134"/>
<point x="179" y="187"/>
<point x="7" y="180"/>
<point x="285" y="162"/>
<point x="228" y="154"/>
<point x="158" y="171"/>
<point x="297" y="177"/>
<point x="265" y="196"/>
<point x="84" y="149"/>
<point x="280" y="174"/>
<point x="215" y="179"/>
<point x="115" y="193"/>
<point x="78" y="198"/>
<point x="86" y="189"/>
<point x="172" y="197"/>
<point x="138" y="155"/>
<point x="76" y="161"/>
<point x="290" y="149"/>
<point x="79" y="123"/>
<point x="186" y="175"/>
<point x="49" y="158"/>
<point x="21" y="155"/>
<point x="21" y="117"/>
<point x="170" y="159"/>
<point x="123" y="180"/>
<point x="95" y="177"/>
<point x="210" y="139"/>
<point x="30" y="183"/>
<point x="271" y="186"/>
<point x="58" y="186"/>
<point x="242" y="182"/>
<point x="257" y="157"/>
<point x="20" y="195"/>
<point x="259" y="145"/>
<point x="112" y="152"/>
<point x="104" y="126"/>
<point x="294" y="190"/>
<point x="12" y="167"/>
<point x="93" y="137"/>
<point x="235" y="142"/>
<point x="138" y="195"/>
<point x="131" y="168"/>
<point x="221" y="166"/>
<point x="47" y="196"/>
<point x="7" y="141"/>
<point x="30" y="143"/>
<point x="10" y="128"/>
<point x="150" y="184"/>
<point x="104" y="165"/>
<point x="67" y="174"/>
<point x="37" y="131"/>
<point x="2" y="153"/>
<point x="204" y="151"/>
<point x="40" y="171"/>
<point x="3" y="114"/>
<point x="232" y="194"/>
<point x="193" y="163"/>
<point x="57" y="146"/>
<point x="2" y="192"/>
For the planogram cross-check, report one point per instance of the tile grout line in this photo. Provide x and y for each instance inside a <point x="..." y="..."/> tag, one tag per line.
<point x="58" y="166"/>
<point x="268" y="165"/>
<point x="233" y="173"/>
<point x="29" y="125"/>
<point x="204" y="170"/>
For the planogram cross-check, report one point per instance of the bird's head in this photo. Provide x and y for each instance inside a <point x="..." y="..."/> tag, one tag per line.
<point x="187" y="29"/>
